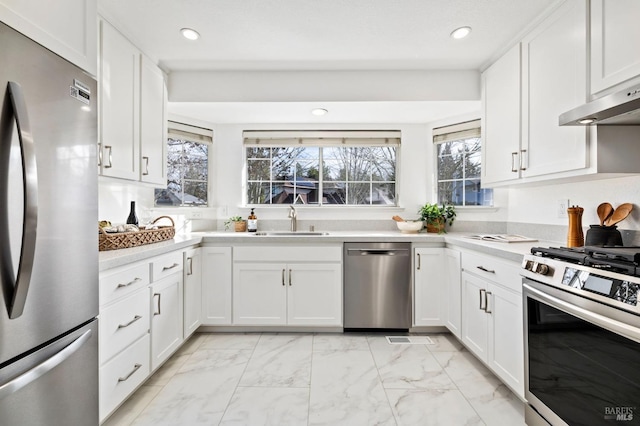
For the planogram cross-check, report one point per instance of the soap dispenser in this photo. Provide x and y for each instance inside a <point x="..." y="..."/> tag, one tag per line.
<point x="252" y="222"/>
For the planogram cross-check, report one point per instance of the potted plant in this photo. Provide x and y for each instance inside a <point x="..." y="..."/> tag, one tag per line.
<point x="436" y="217"/>
<point x="240" y="225"/>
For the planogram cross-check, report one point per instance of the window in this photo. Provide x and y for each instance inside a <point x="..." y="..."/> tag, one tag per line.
<point x="459" y="165"/>
<point x="187" y="167"/>
<point x="322" y="168"/>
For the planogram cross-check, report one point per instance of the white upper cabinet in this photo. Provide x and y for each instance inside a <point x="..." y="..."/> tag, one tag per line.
<point x="501" y="119"/>
<point x="119" y="104"/>
<point x="153" y="128"/>
<point x="554" y="74"/>
<point x="615" y="36"/>
<point x="66" y="27"/>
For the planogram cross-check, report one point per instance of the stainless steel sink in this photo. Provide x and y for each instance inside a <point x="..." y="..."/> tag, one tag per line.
<point x="291" y="234"/>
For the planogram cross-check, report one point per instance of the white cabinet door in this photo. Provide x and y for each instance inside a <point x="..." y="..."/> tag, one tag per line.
<point x="501" y="155"/>
<point x="66" y="27"/>
<point x="166" y="318"/>
<point x="615" y="34"/>
<point x="153" y="133"/>
<point x="119" y="104"/>
<point x="554" y="72"/>
<point x="474" y="319"/>
<point x="216" y="285"/>
<point x="259" y="294"/>
<point x="453" y="291"/>
<point x="192" y="291"/>
<point x="429" y="287"/>
<point x="506" y="351"/>
<point x="314" y="294"/>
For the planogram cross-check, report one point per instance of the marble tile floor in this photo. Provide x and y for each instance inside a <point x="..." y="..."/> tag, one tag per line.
<point x="312" y="379"/>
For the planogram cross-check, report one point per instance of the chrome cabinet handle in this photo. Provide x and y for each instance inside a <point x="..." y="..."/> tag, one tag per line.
<point x="514" y="167"/>
<point x="136" y="367"/>
<point x="523" y="153"/>
<point x="166" y="268"/>
<point x="108" y="166"/>
<point x="158" y="305"/>
<point x="99" y="154"/>
<point x="482" y="268"/>
<point x="146" y="167"/>
<point x="39" y="370"/>
<point x="486" y="301"/>
<point x="480" y="307"/>
<point x="15" y="292"/>
<point x="419" y="262"/>
<point x="135" y="280"/>
<point x="190" y="262"/>
<point x="283" y="277"/>
<point x="136" y="318"/>
<point x="289" y="277"/>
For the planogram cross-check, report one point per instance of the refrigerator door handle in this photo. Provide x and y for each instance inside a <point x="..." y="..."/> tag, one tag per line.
<point x="39" y="370"/>
<point x="16" y="293"/>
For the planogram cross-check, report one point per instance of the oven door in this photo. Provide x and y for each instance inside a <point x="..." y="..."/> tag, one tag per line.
<point x="582" y="360"/>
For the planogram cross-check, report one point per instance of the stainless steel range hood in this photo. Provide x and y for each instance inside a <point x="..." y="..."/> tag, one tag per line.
<point x="620" y="109"/>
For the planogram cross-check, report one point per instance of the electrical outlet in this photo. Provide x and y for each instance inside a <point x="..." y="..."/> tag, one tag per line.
<point x="194" y="214"/>
<point x="563" y="205"/>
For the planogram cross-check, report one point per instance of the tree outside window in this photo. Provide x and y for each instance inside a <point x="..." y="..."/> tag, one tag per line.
<point x="187" y="174"/>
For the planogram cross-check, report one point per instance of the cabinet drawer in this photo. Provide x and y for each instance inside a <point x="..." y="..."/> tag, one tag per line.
<point x="287" y="254"/>
<point x="165" y="265"/>
<point x="123" y="323"/>
<point x="122" y="282"/>
<point x="500" y="271"/>
<point x="122" y="375"/>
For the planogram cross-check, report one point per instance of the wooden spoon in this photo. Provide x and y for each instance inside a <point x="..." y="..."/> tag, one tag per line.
<point x="619" y="214"/>
<point x="604" y="211"/>
<point x="398" y="219"/>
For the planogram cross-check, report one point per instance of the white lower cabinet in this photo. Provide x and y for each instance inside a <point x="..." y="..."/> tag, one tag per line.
<point x="453" y="292"/>
<point x="166" y="318"/>
<point x="216" y="285"/>
<point x="429" y="287"/>
<point x="283" y="289"/>
<point x="192" y="291"/>
<point x="492" y="321"/>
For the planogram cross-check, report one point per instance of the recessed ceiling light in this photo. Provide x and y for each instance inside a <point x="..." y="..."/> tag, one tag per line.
<point x="587" y="121"/>
<point x="319" y="111"/>
<point x="461" y="32"/>
<point x="190" y="34"/>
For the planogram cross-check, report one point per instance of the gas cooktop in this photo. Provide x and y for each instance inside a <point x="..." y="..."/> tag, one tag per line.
<point x="624" y="260"/>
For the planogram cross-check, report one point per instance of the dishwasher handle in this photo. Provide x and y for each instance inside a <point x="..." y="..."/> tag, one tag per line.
<point x="376" y="252"/>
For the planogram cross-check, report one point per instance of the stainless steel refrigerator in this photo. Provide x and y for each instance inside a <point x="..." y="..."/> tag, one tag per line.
<point x="48" y="238"/>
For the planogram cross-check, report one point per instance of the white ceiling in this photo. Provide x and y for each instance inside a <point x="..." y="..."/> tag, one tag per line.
<point x="321" y="35"/>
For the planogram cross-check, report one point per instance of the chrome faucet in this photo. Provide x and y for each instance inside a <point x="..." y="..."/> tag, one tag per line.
<point x="293" y="215"/>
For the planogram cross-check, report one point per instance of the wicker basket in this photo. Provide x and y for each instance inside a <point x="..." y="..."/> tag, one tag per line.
<point x="122" y="240"/>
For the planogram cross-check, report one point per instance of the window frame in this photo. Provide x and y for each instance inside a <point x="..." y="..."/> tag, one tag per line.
<point x="322" y="140"/>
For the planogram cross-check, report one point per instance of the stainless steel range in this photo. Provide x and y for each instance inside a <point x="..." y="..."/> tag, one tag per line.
<point x="582" y="336"/>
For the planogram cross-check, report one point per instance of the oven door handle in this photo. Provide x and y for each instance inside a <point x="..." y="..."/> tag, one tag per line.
<point x="618" y="327"/>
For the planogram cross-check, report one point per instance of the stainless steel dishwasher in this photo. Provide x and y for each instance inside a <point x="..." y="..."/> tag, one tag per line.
<point x="377" y="285"/>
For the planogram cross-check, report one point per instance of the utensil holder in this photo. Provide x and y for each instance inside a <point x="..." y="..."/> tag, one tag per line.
<point x="598" y="235"/>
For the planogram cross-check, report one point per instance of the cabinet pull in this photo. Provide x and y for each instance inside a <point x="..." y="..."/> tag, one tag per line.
<point x="283" y="277"/>
<point x="190" y="262"/>
<point x="514" y="167"/>
<point x="289" y="277"/>
<point x="158" y="305"/>
<point x="146" y="167"/>
<point x="481" y="298"/>
<point x="135" y="280"/>
<point x="108" y="166"/>
<point x="524" y="159"/>
<point x="482" y="268"/>
<point x="136" y="367"/>
<point x="486" y="301"/>
<point x="419" y="262"/>
<point x="166" y="268"/>
<point x="136" y="318"/>
<point x="99" y="154"/>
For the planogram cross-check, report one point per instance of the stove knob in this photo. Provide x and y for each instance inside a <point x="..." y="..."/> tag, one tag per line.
<point x="528" y="265"/>
<point x="542" y="269"/>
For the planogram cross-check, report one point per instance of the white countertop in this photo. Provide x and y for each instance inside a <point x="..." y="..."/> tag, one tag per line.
<point x="509" y="251"/>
